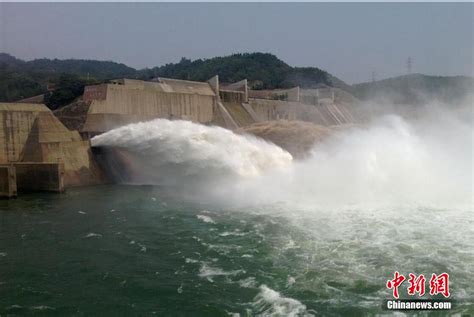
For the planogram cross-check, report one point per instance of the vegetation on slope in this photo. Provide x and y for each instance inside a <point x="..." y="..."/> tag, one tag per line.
<point x="67" y="88"/>
<point x="22" y="79"/>
<point x="263" y="71"/>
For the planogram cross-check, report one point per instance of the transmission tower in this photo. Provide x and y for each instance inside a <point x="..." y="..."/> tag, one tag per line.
<point x="409" y="65"/>
<point x="374" y="77"/>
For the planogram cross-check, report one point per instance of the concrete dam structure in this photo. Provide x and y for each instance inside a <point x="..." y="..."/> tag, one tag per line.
<point x="125" y="101"/>
<point x="40" y="150"/>
<point x="38" y="153"/>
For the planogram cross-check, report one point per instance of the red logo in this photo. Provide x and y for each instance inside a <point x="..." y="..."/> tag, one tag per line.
<point x="395" y="283"/>
<point x="417" y="284"/>
<point x="439" y="284"/>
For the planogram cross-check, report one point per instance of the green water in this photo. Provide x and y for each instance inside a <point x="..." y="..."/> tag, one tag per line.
<point x="131" y="251"/>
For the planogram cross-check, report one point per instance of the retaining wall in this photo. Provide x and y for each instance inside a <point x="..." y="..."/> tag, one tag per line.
<point x="8" y="187"/>
<point x="143" y="101"/>
<point x="40" y="177"/>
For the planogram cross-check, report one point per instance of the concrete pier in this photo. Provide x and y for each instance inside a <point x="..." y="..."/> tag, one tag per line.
<point x="30" y="177"/>
<point x="8" y="187"/>
<point x="40" y="177"/>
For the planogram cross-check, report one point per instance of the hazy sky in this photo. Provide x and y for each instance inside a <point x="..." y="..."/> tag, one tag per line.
<point x="348" y="40"/>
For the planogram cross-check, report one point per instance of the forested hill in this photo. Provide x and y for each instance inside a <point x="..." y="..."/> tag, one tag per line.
<point x="22" y="79"/>
<point x="49" y="68"/>
<point x="263" y="71"/>
<point x="416" y="88"/>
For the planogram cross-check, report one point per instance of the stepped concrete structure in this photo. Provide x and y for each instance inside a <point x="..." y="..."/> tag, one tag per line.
<point x="326" y="114"/>
<point x="125" y="101"/>
<point x="323" y="105"/>
<point x="41" y="152"/>
<point x="292" y="94"/>
<point x="230" y="105"/>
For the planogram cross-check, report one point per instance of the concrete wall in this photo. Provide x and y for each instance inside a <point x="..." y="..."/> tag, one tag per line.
<point x="8" y="187"/>
<point x="26" y="177"/>
<point x="232" y="96"/>
<point x="238" y="113"/>
<point x="80" y="167"/>
<point x="143" y="101"/>
<point x="318" y="96"/>
<point x="268" y="110"/>
<point x="292" y="94"/>
<point x="16" y="121"/>
<point x="40" y="177"/>
<point x="326" y="114"/>
<point x="223" y="118"/>
<point x="330" y="94"/>
<point x="214" y="83"/>
<point x="240" y="86"/>
<point x="32" y="134"/>
<point x="49" y="141"/>
<point x="96" y="92"/>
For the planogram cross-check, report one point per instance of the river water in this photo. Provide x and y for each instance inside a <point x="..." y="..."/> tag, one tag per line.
<point x="126" y="250"/>
<point x="217" y="224"/>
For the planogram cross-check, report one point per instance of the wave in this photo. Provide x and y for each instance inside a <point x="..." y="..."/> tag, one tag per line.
<point x="269" y="302"/>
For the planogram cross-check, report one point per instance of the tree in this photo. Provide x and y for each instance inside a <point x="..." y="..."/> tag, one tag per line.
<point x="69" y="87"/>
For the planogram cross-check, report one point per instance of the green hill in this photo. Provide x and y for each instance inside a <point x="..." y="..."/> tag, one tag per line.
<point x="50" y="68"/>
<point x="22" y="79"/>
<point x="416" y="88"/>
<point x="263" y="71"/>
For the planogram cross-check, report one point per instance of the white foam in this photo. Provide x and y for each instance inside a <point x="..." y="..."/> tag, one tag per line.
<point x="197" y="149"/>
<point x="189" y="260"/>
<point x="209" y="272"/>
<point x="42" y="308"/>
<point x="93" y="235"/>
<point x="249" y="282"/>
<point x="206" y="219"/>
<point x="142" y="247"/>
<point x="269" y="302"/>
<point x="389" y="162"/>
<point x="235" y="233"/>
<point x="290" y="281"/>
<point x="14" y="307"/>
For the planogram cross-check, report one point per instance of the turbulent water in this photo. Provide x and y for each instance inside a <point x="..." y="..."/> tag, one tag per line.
<point x="194" y="149"/>
<point x="230" y="225"/>
<point x="389" y="162"/>
<point x="128" y="250"/>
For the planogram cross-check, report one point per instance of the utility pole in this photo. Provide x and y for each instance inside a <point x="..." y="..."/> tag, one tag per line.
<point x="374" y="77"/>
<point x="409" y="65"/>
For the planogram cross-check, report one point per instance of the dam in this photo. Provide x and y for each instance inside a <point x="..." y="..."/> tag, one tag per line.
<point x="41" y="150"/>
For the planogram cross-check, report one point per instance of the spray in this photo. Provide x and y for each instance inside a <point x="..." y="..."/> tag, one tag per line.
<point x="390" y="161"/>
